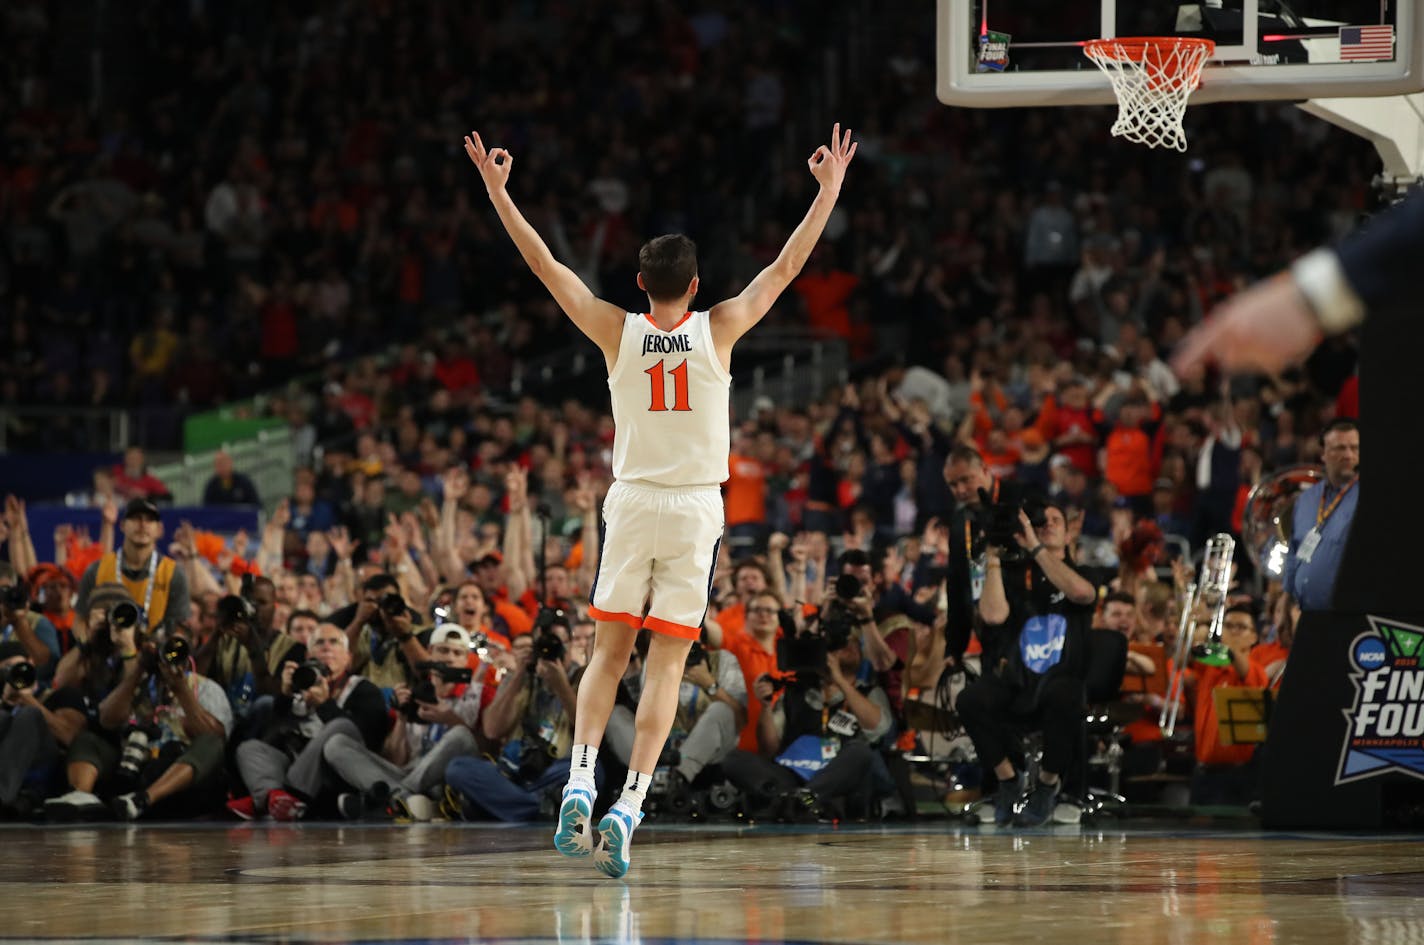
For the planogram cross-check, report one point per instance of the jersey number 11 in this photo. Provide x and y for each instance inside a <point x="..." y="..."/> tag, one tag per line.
<point x="679" y="378"/>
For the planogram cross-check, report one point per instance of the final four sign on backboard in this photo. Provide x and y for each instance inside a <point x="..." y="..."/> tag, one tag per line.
<point x="1386" y="722"/>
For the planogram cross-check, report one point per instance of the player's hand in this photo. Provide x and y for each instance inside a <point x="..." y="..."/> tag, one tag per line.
<point x="828" y="164"/>
<point x="494" y="165"/>
<point x="1265" y="328"/>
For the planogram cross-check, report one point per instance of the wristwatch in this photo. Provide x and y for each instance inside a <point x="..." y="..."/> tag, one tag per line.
<point x="713" y="689"/>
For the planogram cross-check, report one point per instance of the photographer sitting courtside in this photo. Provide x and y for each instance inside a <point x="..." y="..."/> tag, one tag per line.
<point x="818" y="744"/>
<point x="434" y="724"/>
<point x="246" y="654"/>
<point x="381" y="632"/>
<point x="20" y="624"/>
<point x="532" y="715"/>
<point x="320" y="699"/>
<point x="33" y="732"/>
<point x="711" y="711"/>
<point x="163" y="728"/>
<point x="1036" y="612"/>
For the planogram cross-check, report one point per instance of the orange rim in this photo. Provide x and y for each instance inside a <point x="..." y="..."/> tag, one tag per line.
<point x="1143" y="48"/>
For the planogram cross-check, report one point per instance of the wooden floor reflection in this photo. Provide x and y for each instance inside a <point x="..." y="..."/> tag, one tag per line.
<point x="933" y="884"/>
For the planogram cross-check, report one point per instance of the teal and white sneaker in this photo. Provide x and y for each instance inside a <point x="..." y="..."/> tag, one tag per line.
<point x="574" y="837"/>
<point x="615" y="835"/>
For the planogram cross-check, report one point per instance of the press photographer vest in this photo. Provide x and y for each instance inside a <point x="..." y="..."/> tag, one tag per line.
<point x="156" y="604"/>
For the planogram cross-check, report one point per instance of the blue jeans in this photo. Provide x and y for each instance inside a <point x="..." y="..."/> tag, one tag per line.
<point x="485" y="786"/>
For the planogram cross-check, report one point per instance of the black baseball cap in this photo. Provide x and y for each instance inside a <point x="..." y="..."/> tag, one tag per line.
<point x="142" y="508"/>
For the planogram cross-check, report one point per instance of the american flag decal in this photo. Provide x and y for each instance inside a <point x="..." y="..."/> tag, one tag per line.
<point x="1366" y="43"/>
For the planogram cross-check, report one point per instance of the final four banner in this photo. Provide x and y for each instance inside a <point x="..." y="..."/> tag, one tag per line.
<point x="1386" y="721"/>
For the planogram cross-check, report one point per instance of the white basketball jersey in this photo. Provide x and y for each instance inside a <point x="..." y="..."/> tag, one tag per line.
<point x="671" y="399"/>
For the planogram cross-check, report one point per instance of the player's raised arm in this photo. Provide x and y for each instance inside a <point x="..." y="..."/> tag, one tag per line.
<point x="601" y="321"/>
<point x="733" y="318"/>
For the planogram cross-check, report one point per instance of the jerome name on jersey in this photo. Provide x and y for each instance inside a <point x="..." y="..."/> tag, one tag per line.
<point x="666" y="344"/>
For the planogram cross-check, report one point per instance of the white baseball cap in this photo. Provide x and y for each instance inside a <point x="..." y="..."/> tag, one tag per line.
<point x="450" y="633"/>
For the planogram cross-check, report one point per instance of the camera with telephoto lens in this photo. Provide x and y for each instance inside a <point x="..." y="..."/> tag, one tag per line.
<point x="20" y="675"/>
<point x="135" y="752"/>
<point x="176" y="652"/>
<point x="837" y="620"/>
<point x="393" y="605"/>
<point x="802" y="655"/>
<point x="547" y="645"/>
<point x="235" y="609"/>
<point x="125" y="615"/>
<point x="306" y="675"/>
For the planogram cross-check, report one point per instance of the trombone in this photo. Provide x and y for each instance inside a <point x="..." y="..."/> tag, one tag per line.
<point x="1209" y="591"/>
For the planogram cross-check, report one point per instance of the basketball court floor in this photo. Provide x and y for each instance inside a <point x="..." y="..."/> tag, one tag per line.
<point x="935" y="882"/>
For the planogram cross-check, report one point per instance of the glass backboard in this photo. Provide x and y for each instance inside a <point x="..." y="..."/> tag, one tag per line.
<point x="1004" y="53"/>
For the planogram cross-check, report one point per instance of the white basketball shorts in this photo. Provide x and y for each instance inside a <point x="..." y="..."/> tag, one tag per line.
<point x="658" y="553"/>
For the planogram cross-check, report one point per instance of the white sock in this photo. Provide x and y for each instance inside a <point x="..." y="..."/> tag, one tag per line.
<point x="581" y="764"/>
<point x="635" y="791"/>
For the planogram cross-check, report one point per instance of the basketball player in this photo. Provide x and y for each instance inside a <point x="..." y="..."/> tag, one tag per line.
<point x="669" y="376"/>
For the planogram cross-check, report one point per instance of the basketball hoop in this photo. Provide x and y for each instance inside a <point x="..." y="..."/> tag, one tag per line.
<point x="1152" y="76"/>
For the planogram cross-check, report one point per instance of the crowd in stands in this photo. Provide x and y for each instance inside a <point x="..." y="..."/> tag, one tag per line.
<point x="403" y="637"/>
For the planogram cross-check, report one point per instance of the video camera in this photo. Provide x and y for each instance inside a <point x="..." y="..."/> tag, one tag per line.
<point x="446" y="672"/>
<point x="998" y="522"/>
<point x="424" y="691"/>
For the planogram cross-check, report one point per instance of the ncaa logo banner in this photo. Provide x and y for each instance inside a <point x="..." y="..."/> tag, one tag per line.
<point x="1387" y="720"/>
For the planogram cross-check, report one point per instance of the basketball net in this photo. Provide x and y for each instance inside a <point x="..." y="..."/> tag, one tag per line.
<point x="1152" y="77"/>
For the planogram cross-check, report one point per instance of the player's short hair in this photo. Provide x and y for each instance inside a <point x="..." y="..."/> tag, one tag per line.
<point x="668" y="265"/>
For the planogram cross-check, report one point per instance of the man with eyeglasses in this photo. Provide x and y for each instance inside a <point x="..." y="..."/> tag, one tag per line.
<point x="755" y="650"/>
<point x="1321" y="519"/>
